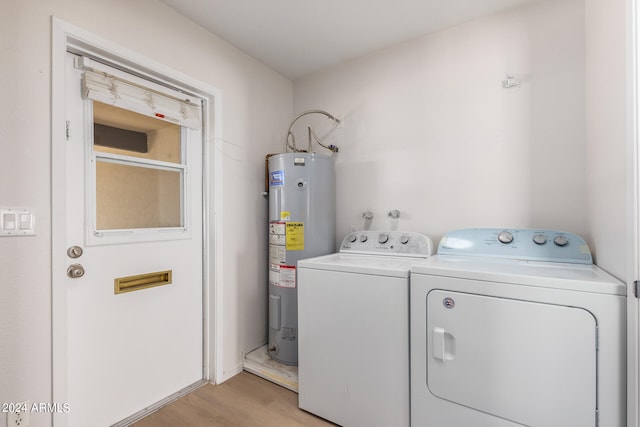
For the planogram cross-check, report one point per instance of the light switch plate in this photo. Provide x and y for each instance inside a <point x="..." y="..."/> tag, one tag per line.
<point x="9" y="221"/>
<point x="15" y="222"/>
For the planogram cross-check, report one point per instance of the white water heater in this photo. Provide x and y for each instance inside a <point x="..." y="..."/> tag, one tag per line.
<point x="301" y="225"/>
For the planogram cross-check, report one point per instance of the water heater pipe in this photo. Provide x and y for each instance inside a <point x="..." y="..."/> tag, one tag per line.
<point x="287" y="145"/>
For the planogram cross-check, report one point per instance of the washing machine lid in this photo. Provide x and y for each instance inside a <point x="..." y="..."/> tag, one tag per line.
<point x="577" y="277"/>
<point x="389" y="266"/>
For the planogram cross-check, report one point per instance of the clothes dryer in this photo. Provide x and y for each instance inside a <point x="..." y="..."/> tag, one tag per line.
<point x="516" y="328"/>
<point x="353" y="326"/>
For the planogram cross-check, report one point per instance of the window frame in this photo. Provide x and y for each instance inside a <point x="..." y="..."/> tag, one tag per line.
<point x="97" y="237"/>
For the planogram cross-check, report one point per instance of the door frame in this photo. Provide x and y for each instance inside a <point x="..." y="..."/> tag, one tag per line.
<point x="66" y="36"/>
<point x="633" y="224"/>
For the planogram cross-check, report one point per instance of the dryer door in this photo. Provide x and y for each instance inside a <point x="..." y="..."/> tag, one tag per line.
<point x="527" y="362"/>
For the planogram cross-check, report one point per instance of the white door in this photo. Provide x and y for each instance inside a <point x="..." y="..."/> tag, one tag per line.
<point x="134" y="318"/>
<point x="527" y="362"/>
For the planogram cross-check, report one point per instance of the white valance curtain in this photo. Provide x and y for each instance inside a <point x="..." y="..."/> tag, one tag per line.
<point x="138" y="95"/>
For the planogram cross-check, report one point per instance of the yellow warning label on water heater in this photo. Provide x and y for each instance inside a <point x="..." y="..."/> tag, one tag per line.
<point x="285" y="215"/>
<point x="295" y="236"/>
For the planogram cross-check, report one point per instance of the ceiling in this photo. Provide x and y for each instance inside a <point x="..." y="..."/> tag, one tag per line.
<point x="299" y="37"/>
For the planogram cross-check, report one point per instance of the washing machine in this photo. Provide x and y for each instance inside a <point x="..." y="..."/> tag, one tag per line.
<point x="353" y="329"/>
<point x="516" y="328"/>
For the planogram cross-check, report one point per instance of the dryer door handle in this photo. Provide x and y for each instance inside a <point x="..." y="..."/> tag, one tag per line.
<point x="444" y="345"/>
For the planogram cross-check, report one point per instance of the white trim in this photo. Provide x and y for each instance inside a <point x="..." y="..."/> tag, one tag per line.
<point x="95" y="236"/>
<point x="69" y="37"/>
<point x="138" y="161"/>
<point x="232" y="372"/>
<point x="217" y="332"/>
<point x="58" y="298"/>
<point x="159" y="405"/>
<point x="633" y="244"/>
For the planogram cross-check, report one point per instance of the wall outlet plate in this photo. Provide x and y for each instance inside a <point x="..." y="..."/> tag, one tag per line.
<point x="20" y="417"/>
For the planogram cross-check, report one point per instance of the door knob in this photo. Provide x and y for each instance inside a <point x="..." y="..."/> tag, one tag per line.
<point x="74" y="252"/>
<point x="75" y="271"/>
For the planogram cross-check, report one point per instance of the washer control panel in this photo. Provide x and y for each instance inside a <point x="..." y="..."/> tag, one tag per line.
<point x="523" y="244"/>
<point x="396" y="243"/>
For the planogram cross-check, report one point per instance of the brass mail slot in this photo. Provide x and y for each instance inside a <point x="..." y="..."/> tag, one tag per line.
<point x="141" y="281"/>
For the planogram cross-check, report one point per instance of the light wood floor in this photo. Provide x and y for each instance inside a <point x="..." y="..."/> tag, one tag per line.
<point x="245" y="400"/>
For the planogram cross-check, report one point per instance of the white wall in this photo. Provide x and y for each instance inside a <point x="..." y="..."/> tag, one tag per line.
<point x="609" y="178"/>
<point x="429" y="130"/>
<point x="256" y="107"/>
<point x="606" y="114"/>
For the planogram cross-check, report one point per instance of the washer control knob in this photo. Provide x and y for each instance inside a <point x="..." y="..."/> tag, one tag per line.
<point x="352" y="238"/>
<point x="561" y="240"/>
<point x="505" y="237"/>
<point x="539" y="239"/>
<point x="363" y="238"/>
<point x="404" y="239"/>
<point x="383" y="238"/>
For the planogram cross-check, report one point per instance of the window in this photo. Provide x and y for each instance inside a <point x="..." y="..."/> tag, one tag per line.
<point x="138" y="134"/>
<point x="135" y="189"/>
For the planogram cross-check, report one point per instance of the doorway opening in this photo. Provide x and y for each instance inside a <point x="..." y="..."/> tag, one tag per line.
<point x="152" y="159"/>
